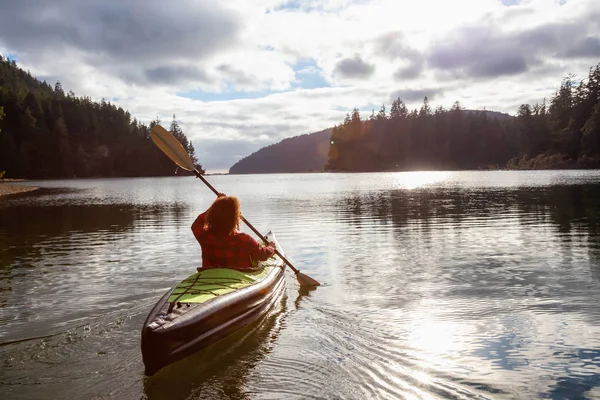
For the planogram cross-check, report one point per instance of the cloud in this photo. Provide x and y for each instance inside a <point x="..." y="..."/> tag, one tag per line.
<point x="239" y="78"/>
<point x="482" y="51"/>
<point x="394" y="45"/>
<point x="586" y="48"/>
<point x="354" y="67"/>
<point x="415" y="95"/>
<point x="175" y="73"/>
<point x="132" y="31"/>
<point x="410" y="71"/>
<point x="149" y="43"/>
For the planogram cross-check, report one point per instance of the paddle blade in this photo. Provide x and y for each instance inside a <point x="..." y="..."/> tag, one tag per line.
<point x="172" y="148"/>
<point x="305" y="280"/>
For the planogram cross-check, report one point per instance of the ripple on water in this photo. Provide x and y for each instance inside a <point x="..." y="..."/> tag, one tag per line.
<point x="460" y="285"/>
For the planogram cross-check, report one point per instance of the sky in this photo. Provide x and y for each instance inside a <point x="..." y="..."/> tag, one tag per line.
<point x="243" y="74"/>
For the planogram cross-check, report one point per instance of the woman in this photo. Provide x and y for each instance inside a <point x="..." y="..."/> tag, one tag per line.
<point x="222" y="244"/>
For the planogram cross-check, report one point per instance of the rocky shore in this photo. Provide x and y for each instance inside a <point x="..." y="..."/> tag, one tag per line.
<point x="10" y="187"/>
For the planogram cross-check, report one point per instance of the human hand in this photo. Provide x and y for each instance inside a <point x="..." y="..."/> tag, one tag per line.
<point x="271" y="244"/>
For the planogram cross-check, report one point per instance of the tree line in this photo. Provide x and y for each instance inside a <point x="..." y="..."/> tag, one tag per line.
<point x="562" y="134"/>
<point x="47" y="133"/>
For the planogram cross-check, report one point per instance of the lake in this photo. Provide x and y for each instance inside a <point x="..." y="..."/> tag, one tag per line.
<point x="470" y="285"/>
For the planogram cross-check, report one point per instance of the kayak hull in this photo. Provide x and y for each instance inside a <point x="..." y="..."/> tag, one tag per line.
<point x="172" y="331"/>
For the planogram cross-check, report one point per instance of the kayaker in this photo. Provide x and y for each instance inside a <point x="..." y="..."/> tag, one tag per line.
<point x="223" y="245"/>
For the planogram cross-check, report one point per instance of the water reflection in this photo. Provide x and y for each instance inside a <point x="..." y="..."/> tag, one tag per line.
<point x="575" y="384"/>
<point x="222" y="370"/>
<point x="500" y="261"/>
<point x="573" y="212"/>
<point x="60" y="262"/>
<point x="418" y="179"/>
<point x="566" y="205"/>
<point x="452" y="285"/>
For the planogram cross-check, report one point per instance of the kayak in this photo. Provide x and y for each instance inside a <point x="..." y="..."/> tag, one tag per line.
<point x="208" y="306"/>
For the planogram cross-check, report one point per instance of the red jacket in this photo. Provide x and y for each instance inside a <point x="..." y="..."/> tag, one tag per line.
<point x="234" y="251"/>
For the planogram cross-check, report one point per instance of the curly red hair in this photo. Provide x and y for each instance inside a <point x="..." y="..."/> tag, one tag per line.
<point x="223" y="216"/>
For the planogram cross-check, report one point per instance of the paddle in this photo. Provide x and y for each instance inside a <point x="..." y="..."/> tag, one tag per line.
<point x="175" y="151"/>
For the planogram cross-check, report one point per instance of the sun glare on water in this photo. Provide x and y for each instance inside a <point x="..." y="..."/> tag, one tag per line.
<point x="432" y="348"/>
<point x="436" y="338"/>
<point x="417" y="179"/>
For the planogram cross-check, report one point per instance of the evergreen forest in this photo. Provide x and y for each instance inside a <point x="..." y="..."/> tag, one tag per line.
<point x="563" y="133"/>
<point x="47" y="133"/>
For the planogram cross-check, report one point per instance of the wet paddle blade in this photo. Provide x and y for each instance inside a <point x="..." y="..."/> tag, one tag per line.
<point x="165" y="141"/>
<point x="305" y="280"/>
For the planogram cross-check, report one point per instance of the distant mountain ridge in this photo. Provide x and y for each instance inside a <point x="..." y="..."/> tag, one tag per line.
<point x="304" y="153"/>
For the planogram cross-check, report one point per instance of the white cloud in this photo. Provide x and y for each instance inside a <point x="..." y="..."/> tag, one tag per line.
<point x="142" y="54"/>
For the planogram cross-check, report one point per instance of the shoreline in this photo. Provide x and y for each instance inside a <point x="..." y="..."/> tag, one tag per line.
<point x="8" y="188"/>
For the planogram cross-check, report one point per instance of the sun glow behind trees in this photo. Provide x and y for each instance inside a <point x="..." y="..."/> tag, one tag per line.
<point x="562" y="134"/>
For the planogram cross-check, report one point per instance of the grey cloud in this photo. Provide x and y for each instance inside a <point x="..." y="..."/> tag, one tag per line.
<point x="545" y="37"/>
<point x="124" y="29"/>
<point x="480" y="52"/>
<point x="414" y="95"/>
<point x="354" y="67"/>
<point x="410" y="72"/>
<point x="393" y="46"/>
<point x="585" y="48"/>
<point x="510" y="65"/>
<point x="484" y="52"/>
<point x="119" y="34"/>
<point x="175" y="74"/>
<point x="237" y="76"/>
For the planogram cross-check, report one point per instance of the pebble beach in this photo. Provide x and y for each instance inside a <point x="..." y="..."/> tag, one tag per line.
<point x="10" y="187"/>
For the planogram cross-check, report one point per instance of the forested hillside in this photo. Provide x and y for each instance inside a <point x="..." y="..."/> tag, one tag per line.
<point x="302" y="153"/>
<point x="562" y="134"/>
<point x="47" y="133"/>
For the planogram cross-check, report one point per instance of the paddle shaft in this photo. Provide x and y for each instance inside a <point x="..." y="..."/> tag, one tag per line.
<point x="199" y="175"/>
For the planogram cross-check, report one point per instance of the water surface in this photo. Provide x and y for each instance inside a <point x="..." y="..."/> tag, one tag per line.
<point x="435" y="285"/>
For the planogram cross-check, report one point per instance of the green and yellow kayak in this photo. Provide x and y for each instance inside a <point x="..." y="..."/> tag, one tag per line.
<point x="208" y="306"/>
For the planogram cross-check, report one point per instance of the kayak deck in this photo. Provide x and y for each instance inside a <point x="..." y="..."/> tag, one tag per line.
<point x="210" y="283"/>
